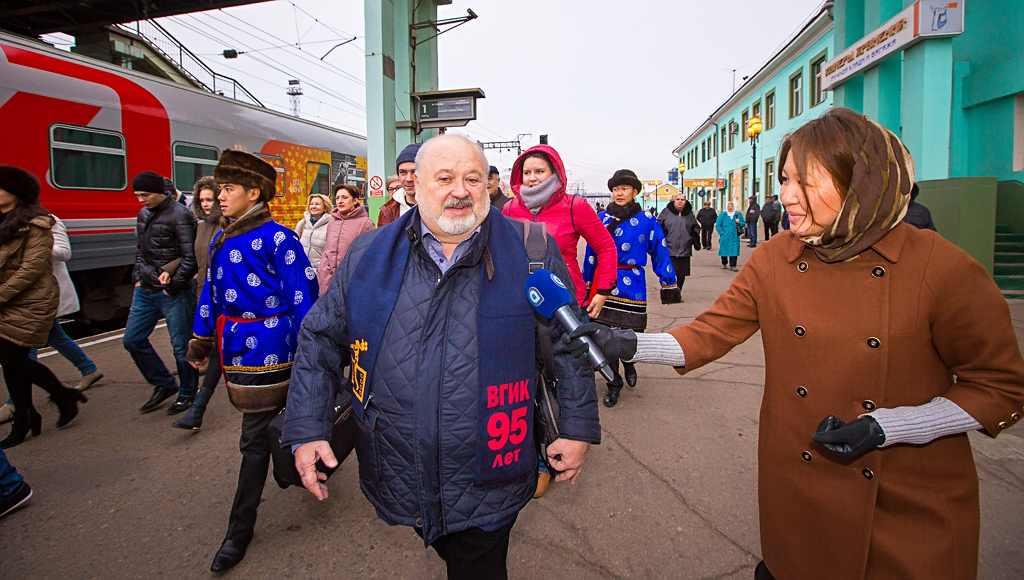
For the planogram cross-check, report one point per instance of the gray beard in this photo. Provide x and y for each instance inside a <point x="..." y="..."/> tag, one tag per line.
<point x="457" y="226"/>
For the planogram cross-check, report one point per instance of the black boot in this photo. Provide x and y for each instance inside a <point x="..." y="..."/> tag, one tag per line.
<point x="194" y="419"/>
<point x="612" y="396"/>
<point x="629" y="373"/>
<point x="229" y="555"/>
<point x="67" y="402"/>
<point x="24" y="421"/>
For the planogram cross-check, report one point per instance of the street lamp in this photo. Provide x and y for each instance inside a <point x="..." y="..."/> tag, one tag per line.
<point x="753" y="130"/>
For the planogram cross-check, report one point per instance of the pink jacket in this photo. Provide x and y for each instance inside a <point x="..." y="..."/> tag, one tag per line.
<point x="340" y="234"/>
<point x="567" y="217"/>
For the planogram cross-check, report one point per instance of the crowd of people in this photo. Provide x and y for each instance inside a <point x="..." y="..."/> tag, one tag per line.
<point x="876" y="362"/>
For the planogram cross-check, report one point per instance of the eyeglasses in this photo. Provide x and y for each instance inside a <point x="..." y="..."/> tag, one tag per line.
<point x="394" y="189"/>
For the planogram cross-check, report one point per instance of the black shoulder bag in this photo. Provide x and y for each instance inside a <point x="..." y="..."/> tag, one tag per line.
<point x="546" y="411"/>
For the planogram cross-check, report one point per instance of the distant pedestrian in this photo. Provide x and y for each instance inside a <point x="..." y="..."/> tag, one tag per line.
<point x="404" y="199"/>
<point x="917" y="214"/>
<point x="707" y="217"/>
<point x="261" y="287"/>
<point x="14" y="492"/>
<point x="729" y="225"/>
<point x="206" y="208"/>
<point x="637" y="236"/>
<point x="785" y="219"/>
<point x="771" y="213"/>
<point x="166" y="232"/>
<point x="347" y="222"/>
<point x="498" y="198"/>
<point x="312" y="228"/>
<point x="682" y="236"/>
<point x="753" y="212"/>
<point x="29" y="296"/>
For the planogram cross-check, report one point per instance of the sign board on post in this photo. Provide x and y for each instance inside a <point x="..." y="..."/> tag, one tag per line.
<point x="454" y="108"/>
<point x="710" y="182"/>
<point x="923" y="19"/>
<point x="376" y="187"/>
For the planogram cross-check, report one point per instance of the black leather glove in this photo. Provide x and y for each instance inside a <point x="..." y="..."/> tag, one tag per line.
<point x="848" y="440"/>
<point x="614" y="343"/>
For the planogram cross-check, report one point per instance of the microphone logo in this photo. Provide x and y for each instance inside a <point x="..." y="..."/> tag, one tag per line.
<point x="534" y="295"/>
<point x="558" y="281"/>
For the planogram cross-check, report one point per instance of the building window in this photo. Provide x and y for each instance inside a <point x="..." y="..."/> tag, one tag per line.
<point x="733" y="129"/>
<point x="84" y="158"/>
<point x="278" y="164"/>
<point x="703" y="151"/>
<point x="711" y="148"/>
<point x="769" y="177"/>
<point x="796" y="94"/>
<point x="318" y="178"/>
<point x="744" y="123"/>
<point x="818" y="94"/>
<point x="192" y="162"/>
<point x="769" y="111"/>
<point x="755" y="110"/>
<point x="722" y="139"/>
<point x="743" y="187"/>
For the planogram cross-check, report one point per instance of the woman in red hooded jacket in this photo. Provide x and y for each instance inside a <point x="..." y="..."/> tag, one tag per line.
<point x="538" y="183"/>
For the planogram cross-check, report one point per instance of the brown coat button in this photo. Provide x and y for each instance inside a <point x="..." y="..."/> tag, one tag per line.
<point x="869" y="405"/>
<point x="867" y="473"/>
<point x="802" y="266"/>
<point x="874" y="342"/>
<point x="801" y="391"/>
<point x="878" y="272"/>
<point x="1003" y="425"/>
<point x="800" y="331"/>
<point x="806" y="455"/>
<point x="1015" y="416"/>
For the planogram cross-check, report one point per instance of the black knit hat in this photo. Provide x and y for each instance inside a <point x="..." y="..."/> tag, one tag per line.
<point x="247" y="170"/>
<point x="149" y="182"/>
<point x="493" y="171"/>
<point x="19" y="183"/>
<point x="408" y="155"/>
<point x="625" y="177"/>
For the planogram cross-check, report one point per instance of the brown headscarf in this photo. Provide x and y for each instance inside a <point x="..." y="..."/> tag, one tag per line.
<point x="878" y="194"/>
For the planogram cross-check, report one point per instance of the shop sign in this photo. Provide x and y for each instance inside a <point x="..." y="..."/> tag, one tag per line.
<point x="702" y="182"/>
<point x="924" y="19"/>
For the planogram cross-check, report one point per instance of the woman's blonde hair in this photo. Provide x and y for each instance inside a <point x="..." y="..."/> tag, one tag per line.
<point x="328" y="204"/>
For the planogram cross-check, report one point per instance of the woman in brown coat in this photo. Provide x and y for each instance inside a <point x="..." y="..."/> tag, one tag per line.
<point x="28" y="303"/>
<point x="877" y="364"/>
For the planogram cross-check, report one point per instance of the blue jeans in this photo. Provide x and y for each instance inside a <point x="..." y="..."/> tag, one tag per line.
<point x="752" y="233"/>
<point x="62" y="343"/>
<point x="10" y="479"/>
<point x="179" y="311"/>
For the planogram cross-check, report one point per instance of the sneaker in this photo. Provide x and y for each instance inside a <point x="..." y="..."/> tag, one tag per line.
<point x="89" y="380"/>
<point x="6" y="412"/>
<point x="15" y="500"/>
<point x="734" y="269"/>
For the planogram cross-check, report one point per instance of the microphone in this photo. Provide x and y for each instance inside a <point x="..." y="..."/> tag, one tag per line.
<point x="550" y="297"/>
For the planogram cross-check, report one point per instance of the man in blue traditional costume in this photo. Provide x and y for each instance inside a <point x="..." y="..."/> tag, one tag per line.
<point x="259" y="286"/>
<point x="432" y="313"/>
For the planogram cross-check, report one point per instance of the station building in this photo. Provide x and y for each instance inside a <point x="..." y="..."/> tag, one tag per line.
<point x="943" y="75"/>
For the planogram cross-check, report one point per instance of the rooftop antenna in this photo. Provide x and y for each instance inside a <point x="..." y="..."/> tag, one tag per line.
<point x="294" y="91"/>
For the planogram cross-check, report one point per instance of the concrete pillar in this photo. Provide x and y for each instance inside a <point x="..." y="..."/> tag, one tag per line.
<point x="380" y="93"/>
<point x="925" y="113"/>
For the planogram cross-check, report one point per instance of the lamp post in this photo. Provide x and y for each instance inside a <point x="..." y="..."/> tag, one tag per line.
<point x="682" y="183"/>
<point x="753" y="130"/>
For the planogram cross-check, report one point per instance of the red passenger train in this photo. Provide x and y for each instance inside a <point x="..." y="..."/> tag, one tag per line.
<point x="85" y="128"/>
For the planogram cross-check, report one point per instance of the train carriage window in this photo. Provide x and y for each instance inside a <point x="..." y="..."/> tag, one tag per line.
<point x="85" y="158"/>
<point x="318" y="178"/>
<point x="278" y="165"/>
<point x="192" y="162"/>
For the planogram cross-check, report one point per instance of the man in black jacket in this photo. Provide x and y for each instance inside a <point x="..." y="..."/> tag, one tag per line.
<point x="753" y="212"/>
<point x="771" y="213"/>
<point x="165" y="265"/>
<point x="707" y="217"/>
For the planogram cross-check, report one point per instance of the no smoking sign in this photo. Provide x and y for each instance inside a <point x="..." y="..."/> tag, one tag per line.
<point x="376" y="186"/>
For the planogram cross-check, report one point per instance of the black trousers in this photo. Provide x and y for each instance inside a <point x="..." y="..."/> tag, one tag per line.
<point x="731" y="260"/>
<point x="705" y="237"/>
<point x="475" y="554"/>
<point x="761" y="572"/>
<point x="252" y="475"/>
<point x="770" y="229"/>
<point x="21" y="372"/>
<point x="213" y="369"/>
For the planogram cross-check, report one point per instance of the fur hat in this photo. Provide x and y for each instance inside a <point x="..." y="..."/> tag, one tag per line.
<point x="625" y="177"/>
<point x="408" y="155"/>
<point x="247" y="170"/>
<point x="150" y="182"/>
<point x="19" y="183"/>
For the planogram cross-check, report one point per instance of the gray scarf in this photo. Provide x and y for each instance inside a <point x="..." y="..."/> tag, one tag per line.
<point x="534" y="198"/>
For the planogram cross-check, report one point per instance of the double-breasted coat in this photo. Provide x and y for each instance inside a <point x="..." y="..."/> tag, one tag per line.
<point x="910" y="319"/>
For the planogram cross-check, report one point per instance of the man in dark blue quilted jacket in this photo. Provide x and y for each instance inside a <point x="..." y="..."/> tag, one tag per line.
<point x="423" y="311"/>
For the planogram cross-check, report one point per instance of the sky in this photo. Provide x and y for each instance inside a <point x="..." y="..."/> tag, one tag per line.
<point x="614" y="84"/>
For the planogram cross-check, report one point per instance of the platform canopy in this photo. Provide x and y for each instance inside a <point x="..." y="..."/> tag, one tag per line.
<point x="33" y="18"/>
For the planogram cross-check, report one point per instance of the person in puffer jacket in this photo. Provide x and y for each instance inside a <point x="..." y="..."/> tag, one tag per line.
<point x="312" y="228"/>
<point x="346" y="223"/>
<point x="538" y="183"/>
<point x="425" y="310"/>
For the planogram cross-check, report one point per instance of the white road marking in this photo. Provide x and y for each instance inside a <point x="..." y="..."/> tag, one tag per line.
<point x="50" y="352"/>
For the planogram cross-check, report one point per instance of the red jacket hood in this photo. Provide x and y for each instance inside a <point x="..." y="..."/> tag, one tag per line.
<point x="556" y="160"/>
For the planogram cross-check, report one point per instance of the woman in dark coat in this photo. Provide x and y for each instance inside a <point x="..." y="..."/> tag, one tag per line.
<point x="28" y="303"/>
<point x="877" y="364"/>
<point x="682" y="235"/>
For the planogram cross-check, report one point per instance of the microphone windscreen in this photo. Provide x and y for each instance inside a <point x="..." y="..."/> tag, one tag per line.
<point x="546" y="292"/>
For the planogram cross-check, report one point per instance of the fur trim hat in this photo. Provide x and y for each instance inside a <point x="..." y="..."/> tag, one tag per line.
<point x="408" y="155"/>
<point x="625" y="177"/>
<point x="150" y="182"/>
<point x="19" y="183"/>
<point x="247" y="170"/>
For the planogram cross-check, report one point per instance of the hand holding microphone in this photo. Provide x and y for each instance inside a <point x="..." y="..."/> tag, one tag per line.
<point x="613" y="342"/>
<point x="550" y="297"/>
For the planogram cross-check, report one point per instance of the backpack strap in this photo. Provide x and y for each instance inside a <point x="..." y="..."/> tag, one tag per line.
<point x="535" y="238"/>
